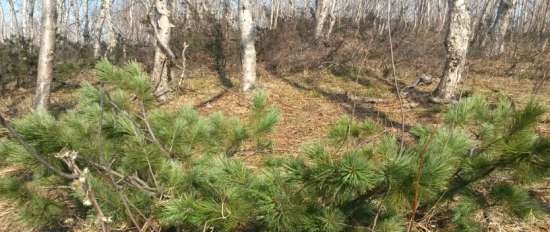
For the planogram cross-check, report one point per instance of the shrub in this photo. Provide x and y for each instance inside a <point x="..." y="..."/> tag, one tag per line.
<point x="182" y="170"/>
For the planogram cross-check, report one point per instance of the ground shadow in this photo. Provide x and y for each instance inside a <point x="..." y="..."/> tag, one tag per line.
<point x="358" y="109"/>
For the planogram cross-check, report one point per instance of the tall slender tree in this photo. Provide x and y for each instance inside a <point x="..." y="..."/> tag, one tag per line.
<point x="86" y="28"/>
<point x="248" y="50"/>
<point x="14" y="21"/>
<point x="28" y="17"/>
<point x="321" y="13"/>
<point x="456" y="43"/>
<point x="1" y="23"/>
<point x="104" y="18"/>
<point x="46" y="56"/>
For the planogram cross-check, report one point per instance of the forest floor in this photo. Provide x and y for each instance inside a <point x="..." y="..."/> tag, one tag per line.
<point x="310" y="103"/>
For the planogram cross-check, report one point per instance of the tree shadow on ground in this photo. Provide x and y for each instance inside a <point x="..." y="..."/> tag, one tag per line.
<point x="369" y="77"/>
<point x="358" y="109"/>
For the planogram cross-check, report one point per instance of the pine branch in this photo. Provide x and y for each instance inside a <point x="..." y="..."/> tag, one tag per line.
<point x="458" y="184"/>
<point x="30" y="149"/>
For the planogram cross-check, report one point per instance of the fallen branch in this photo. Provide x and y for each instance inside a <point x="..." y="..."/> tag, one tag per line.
<point x="82" y="183"/>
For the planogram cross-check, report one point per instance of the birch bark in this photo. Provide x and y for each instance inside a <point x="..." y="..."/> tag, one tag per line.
<point x="161" y="68"/>
<point x="248" y="50"/>
<point x="456" y="43"/>
<point x="46" y="56"/>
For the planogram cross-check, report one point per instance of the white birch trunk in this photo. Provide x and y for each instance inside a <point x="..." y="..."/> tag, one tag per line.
<point x="111" y="40"/>
<point x="46" y="56"/>
<point x="248" y="50"/>
<point x="277" y="10"/>
<point x="86" y="29"/>
<point x="161" y="69"/>
<point x="76" y="14"/>
<point x="272" y="14"/>
<point x="28" y="11"/>
<point x="14" y="23"/>
<point x="456" y="42"/>
<point x="500" y="27"/>
<point x="306" y="8"/>
<point x="61" y="25"/>
<point x="332" y="18"/>
<point x="1" y="25"/>
<point x="104" y="18"/>
<point x="320" y="17"/>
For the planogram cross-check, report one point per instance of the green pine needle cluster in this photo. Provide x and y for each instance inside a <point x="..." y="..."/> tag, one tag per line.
<point x="182" y="169"/>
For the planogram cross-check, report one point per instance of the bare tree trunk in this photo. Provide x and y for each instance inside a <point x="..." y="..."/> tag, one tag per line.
<point x="306" y="8"/>
<point x="277" y="11"/>
<point x="321" y="11"/>
<point x="359" y="13"/>
<point x="248" y="50"/>
<point x="457" y="42"/>
<point x="14" y="23"/>
<point x="104" y="17"/>
<point x="161" y="68"/>
<point x="332" y="18"/>
<point x="86" y="29"/>
<point x="500" y="27"/>
<point x="131" y="22"/>
<point x="28" y="11"/>
<point x="46" y="56"/>
<point x="76" y="15"/>
<point x="476" y="35"/>
<point x="111" y="40"/>
<point x="1" y="24"/>
<point x="272" y="14"/>
<point x="61" y="24"/>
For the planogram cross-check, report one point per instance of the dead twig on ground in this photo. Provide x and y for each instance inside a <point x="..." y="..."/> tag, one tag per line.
<point x="82" y="183"/>
<point x="417" y="181"/>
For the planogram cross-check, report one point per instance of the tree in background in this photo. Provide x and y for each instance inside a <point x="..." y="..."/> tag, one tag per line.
<point x="86" y="28"/>
<point x="2" y="33"/>
<point x="104" y="18"/>
<point x="499" y="28"/>
<point x="456" y="42"/>
<point x="14" y="23"/>
<point x="46" y="56"/>
<point x="28" y="22"/>
<point x="321" y="13"/>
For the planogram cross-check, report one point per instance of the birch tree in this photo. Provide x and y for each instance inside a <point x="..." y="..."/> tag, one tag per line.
<point x="248" y="50"/>
<point x="46" y="56"/>
<point x="161" y="69"/>
<point x="456" y="43"/>
<point x="321" y="12"/>
<point x="28" y="13"/>
<point x="14" y="22"/>
<point x="104" y="18"/>
<point x="76" y="15"/>
<point x="500" y="27"/>
<point x="332" y="18"/>
<point x="86" y="29"/>
<point x="1" y="24"/>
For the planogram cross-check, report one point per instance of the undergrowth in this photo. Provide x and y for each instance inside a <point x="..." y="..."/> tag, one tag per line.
<point x="147" y="167"/>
